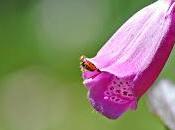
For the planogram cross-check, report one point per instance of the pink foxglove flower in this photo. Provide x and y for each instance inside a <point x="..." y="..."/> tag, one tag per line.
<point x="128" y="64"/>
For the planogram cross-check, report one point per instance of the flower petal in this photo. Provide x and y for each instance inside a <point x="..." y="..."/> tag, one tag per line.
<point x="111" y="96"/>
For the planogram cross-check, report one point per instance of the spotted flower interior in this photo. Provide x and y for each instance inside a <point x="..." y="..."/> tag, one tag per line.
<point x="119" y="91"/>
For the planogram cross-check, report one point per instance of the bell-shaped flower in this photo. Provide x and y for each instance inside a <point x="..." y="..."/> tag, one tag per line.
<point x="131" y="60"/>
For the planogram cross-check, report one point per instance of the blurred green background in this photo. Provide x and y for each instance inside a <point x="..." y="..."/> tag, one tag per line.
<point x="40" y="81"/>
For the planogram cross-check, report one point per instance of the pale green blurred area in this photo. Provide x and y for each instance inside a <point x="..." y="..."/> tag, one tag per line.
<point x="40" y="81"/>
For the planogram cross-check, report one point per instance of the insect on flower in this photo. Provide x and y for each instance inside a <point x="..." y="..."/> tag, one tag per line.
<point x="86" y="64"/>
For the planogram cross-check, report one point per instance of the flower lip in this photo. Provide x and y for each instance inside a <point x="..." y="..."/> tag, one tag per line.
<point x="110" y="95"/>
